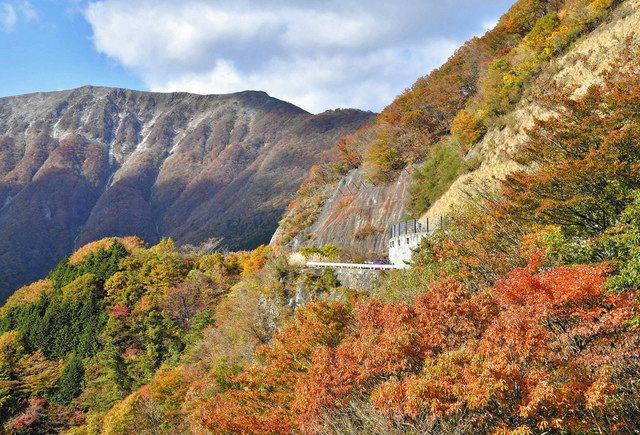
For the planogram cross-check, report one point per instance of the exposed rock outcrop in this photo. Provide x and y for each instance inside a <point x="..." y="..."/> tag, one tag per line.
<point x="581" y="67"/>
<point x="357" y="214"/>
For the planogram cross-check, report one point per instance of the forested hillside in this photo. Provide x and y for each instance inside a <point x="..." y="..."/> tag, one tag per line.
<point x="434" y="130"/>
<point x="79" y="165"/>
<point x="521" y="316"/>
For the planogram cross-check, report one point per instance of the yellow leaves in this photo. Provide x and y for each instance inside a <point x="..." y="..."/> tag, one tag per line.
<point x="520" y="430"/>
<point x="86" y="286"/>
<point x="117" y="421"/>
<point x="11" y="351"/>
<point x="468" y="127"/>
<point x="601" y="388"/>
<point x="383" y="156"/>
<point x="147" y="272"/>
<point x="27" y="294"/>
<point x="166" y="246"/>
<point x="37" y="374"/>
<point x="130" y="243"/>
<point x="252" y="262"/>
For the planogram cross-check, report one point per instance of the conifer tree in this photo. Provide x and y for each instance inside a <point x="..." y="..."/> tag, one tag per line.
<point x="70" y="382"/>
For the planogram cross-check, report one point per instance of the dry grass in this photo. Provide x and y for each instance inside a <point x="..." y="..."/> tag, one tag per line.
<point x="361" y="417"/>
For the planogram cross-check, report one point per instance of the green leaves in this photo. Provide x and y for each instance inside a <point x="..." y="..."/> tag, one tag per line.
<point x="71" y="381"/>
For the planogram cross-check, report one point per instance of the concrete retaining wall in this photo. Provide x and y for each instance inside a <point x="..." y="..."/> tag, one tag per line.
<point x="358" y="279"/>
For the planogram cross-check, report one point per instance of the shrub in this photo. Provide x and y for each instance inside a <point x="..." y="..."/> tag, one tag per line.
<point x="366" y="231"/>
<point x="434" y="177"/>
<point x="382" y="160"/>
<point x="330" y="252"/>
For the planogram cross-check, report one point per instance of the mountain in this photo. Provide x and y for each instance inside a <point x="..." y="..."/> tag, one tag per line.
<point x="453" y="132"/>
<point x="82" y="164"/>
<point x="520" y="316"/>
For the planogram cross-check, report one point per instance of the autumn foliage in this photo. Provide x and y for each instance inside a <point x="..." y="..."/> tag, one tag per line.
<point x="521" y="316"/>
<point x="536" y="352"/>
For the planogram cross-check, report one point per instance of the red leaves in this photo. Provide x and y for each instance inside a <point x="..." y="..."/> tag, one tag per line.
<point x="30" y="417"/>
<point x="120" y="311"/>
<point x="535" y="352"/>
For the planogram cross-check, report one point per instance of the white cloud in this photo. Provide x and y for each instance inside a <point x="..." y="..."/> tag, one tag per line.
<point x="8" y="17"/>
<point x="11" y="14"/>
<point x="317" y="54"/>
<point x="367" y="80"/>
<point x="27" y="10"/>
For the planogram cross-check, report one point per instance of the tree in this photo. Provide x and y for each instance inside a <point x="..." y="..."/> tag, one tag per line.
<point x="258" y="399"/>
<point x="183" y="302"/>
<point x="38" y="376"/>
<point x="71" y="381"/>
<point x="382" y="160"/>
<point x="12" y="350"/>
<point x="586" y="161"/>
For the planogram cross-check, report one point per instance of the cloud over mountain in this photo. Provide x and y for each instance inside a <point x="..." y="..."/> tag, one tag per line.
<point x="316" y="54"/>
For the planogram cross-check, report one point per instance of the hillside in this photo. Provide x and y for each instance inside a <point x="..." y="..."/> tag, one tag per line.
<point x="79" y="165"/>
<point x="521" y="316"/>
<point x="583" y="66"/>
<point x="457" y="124"/>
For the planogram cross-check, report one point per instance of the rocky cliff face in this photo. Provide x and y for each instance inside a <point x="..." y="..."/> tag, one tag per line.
<point x="357" y="214"/>
<point x="82" y="164"/>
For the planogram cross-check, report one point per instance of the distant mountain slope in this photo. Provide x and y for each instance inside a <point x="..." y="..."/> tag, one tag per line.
<point x="82" y="164"/>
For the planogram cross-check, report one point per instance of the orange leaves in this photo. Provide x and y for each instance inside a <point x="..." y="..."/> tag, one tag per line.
<point x="533" y="353"/>
<point x="539" y="344"/>
<point x="130" y="243"/>
<point x="252" y="261"/>
<point x="386" y="351"/>
<point x="261" y="401"/>
<point x="597" y="393"/>
<point x="517" y="355"/>
<point x="569" y="287"/>
<point x="348" y="148"/>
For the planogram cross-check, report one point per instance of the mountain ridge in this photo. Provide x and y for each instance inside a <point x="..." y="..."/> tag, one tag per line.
<point x="85" y="163"/>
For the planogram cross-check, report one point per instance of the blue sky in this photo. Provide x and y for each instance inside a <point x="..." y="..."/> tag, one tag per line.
<point x="318" y="54"/>
<point x="52" y="50"/>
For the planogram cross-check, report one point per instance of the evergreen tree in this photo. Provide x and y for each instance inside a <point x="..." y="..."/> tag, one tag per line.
<point x="70" y="382"/>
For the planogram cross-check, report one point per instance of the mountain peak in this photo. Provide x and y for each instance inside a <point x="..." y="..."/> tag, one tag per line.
<point x="102" y="161"/>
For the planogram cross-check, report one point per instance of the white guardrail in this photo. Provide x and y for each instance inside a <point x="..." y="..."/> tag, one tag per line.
<point x="355" y="266"/>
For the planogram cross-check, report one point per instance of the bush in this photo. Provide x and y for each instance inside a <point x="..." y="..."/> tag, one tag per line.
<point x="366" y="231"/>
<point x="330" y="252"/>
<point x="382" y="161"/>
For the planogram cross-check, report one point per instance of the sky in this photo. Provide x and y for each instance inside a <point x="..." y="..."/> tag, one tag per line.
<point x="317" y="54"/>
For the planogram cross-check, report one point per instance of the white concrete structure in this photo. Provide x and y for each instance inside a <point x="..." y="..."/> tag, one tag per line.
<point x="318" y="264"/>
<point x="406" y="236"/>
